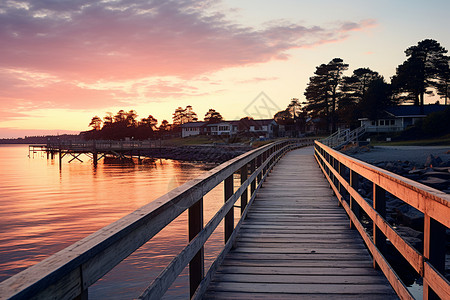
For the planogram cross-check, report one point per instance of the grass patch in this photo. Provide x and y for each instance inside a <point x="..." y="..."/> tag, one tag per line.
<point x="189" y="141"/>
<point x="440" y="141"/>
<point x="211" y="139"/>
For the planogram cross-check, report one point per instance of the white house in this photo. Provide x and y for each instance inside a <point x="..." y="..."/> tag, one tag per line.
<point x="223" y="128"/>
<point x="261" y="128"/>
<point x="398" y="118"/>
<point x="192" y="128"/>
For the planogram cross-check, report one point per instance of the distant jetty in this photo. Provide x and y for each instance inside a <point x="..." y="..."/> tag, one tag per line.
<point x="125" y="150"/>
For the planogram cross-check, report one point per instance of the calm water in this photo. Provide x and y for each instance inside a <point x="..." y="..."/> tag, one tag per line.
<point x="45" y="209"/>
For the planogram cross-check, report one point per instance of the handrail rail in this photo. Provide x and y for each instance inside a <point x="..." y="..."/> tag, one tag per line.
<point x="434" y="204"/>
<point x="343" y="137"/>
<point x="68" y="273"/>
<point x="100" y="144"/>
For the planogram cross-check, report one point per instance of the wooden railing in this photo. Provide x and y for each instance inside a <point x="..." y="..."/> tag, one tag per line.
<point x="434" y="204"/>
<point x="343" y="137"/>
<point x="68" y="273"/>
<point x="103" y="145"/>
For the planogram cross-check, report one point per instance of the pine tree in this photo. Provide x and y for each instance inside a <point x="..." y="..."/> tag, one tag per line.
<point x="322" y="92"/>
<point x="422" y="70"/>
<point x="354" y="91"/>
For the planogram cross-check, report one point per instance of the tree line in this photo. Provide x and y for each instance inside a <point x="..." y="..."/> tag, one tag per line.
<point x="124" y="124"/>
<point x="339" y="99"/>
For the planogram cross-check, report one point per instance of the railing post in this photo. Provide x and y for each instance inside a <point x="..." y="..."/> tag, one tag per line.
<point x="264" y="157"/>
<point x="333" y="165"/>
<point x="244" y="196"/>
<point x="258" y="164"/>
<point x="229" y="217"/>
<point x="83" y="295"/>
<point x="253" y="183"/>
<point x="433" y="250"/>
<point x="196" y="265"/>
<point x="341" y="173"/>
<point x="354" y="179"/>
<point x="379" y="204"/>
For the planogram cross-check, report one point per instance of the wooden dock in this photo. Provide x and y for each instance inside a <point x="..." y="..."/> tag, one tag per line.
<point x="297" y="243"/>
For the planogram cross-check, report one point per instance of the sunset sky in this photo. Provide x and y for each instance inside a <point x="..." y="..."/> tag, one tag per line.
<point x="64" y="61"/>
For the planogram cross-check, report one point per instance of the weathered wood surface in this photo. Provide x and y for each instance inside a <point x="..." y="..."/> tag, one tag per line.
<point x="296" y="243"/>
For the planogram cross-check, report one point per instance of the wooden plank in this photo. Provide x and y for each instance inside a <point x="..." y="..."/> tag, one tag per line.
<point x="308" y="256"/>
<point x="315" y="246"/>
<point x="292" y="236"/>
<point x="281" y="270"/>
<point x="296" y="227"/>
<point x="303" y="250"/>
<point x="301" y="279"/>
<point x="296" y="288"/>
<point x="225" y="295"/>
<point x="350" y="263"/>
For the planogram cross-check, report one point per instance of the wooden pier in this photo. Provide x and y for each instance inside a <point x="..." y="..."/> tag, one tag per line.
<point x="94" y="150"/>
<point x="296" y="243"/>
<point x="303" y="233"/>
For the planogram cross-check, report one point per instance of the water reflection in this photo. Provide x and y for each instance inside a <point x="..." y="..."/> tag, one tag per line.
<point x="45" y="209"/>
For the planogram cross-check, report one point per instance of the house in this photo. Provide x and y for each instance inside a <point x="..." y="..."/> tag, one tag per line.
<point x="193" y="128"/>
<point x="266" y="128"/>
<point x="313" y="125"/>
<point x="398" y="118"/>
<point x="261" y="128"/>
<point x="222" y="128"/>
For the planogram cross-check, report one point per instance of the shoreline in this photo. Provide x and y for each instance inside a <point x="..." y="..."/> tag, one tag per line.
<point x="414" y="154"/>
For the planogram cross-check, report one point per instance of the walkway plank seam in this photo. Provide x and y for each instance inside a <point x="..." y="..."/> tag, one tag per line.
<point x="296" y="243"/>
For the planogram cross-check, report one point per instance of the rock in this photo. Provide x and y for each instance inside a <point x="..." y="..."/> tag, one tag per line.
<point x="417" y="171"/>
<point x="380" y="164"/>
<point x="434" y="182"/>
<point x="436" y="174"/>
<point x="394" y="203"/>
<point x="410" y="216"/>
<point x="433" y="161"/>
<point x="362" y="192"/>
<point x="407" y="231"/>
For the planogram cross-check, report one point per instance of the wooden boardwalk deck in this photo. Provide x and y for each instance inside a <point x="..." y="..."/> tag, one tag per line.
<point x="296" y="243"/>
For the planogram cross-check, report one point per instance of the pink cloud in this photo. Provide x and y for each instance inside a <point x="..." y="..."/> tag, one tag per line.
<point x="258" y="79"/>
<point x="362" y="25"/>
<point x="79" y="54"/>
<point x="90" y="40"/>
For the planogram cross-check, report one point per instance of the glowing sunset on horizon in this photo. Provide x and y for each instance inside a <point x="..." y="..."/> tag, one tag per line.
<point x="63" y="62"/>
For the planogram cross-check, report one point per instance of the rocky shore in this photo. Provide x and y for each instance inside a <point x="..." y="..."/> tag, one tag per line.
<point x="210" y="154"/>
<point x="427" y="165"/>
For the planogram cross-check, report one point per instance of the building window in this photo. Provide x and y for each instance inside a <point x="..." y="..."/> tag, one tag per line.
<point x="392" y="122"/>
<point x="381" y="122"/>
